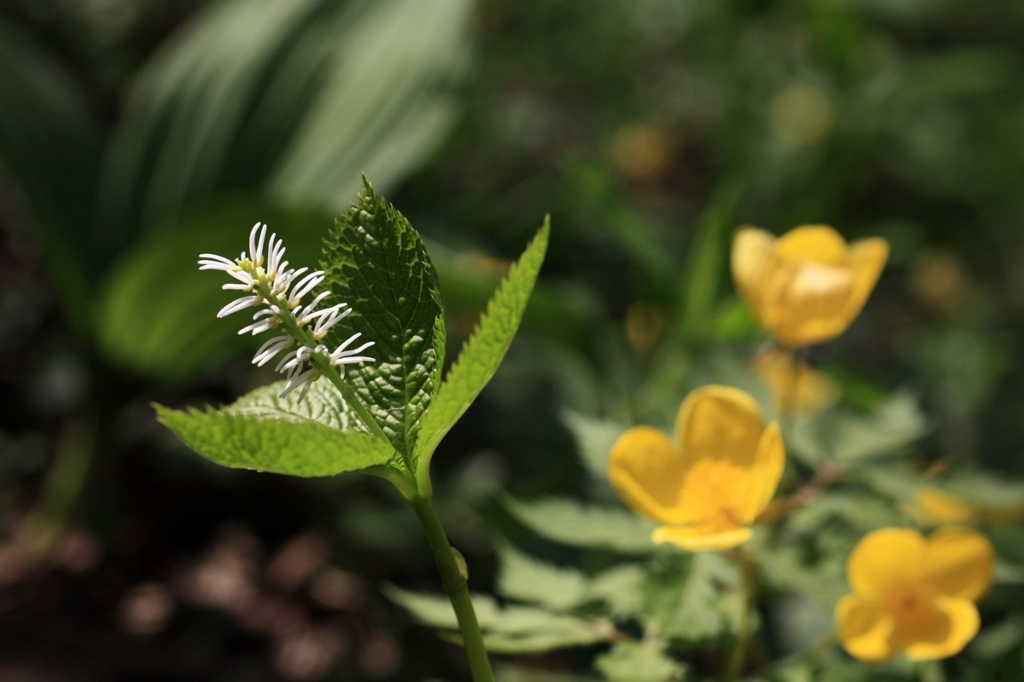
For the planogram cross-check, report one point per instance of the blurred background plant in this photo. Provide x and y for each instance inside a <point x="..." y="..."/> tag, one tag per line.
<point x="135" y="134"/>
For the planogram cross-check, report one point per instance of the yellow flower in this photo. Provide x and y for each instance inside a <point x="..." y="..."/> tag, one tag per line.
<point x="807" y="286"/>
<point x="798" y="388"/>
<point x="914" y="595"/>
<point x="707" y="488"/>
<point x="935" y="507"/>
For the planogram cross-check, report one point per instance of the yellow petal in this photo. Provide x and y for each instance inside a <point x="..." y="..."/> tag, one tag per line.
<point x="812" y="243"/>
<point x="702" y="538"/>
<point x="958" y="562"/>
<point x="753" y="260"/>
<point x="956" y="622"/>
<point x="864" y="629"/>
<point x="804" y="302"/>
<point x="884" y="558"/>
<point x="769" y="464"/>
<point x="867" y="258"/>
<point x="719" y="422"/>
<point x="647" y="472"/>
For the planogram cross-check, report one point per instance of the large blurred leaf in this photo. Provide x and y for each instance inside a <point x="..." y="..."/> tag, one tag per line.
<point x="386" y="103"/>
<point x="376" y="262"/>
<point x="298" y="97"/>
<point x="318" y="436"/>
<point x="50" y="145"/>
<point x="508" y="629"/>
<point x="156" y="312"/>
<point x="572" y="523"/>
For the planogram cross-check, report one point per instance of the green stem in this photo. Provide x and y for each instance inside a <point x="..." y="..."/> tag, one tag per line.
<point x="62" y="486"/>
<point x="739" y="652"/>
<point x="457" y="589"/>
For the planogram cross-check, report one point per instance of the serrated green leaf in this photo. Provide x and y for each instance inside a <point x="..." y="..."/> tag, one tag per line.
<point x="316" y="437"/>
<point x="852" y="438"/>
<point x="693" y="596"/>
<point x="508" y="629"/>
<point x="636" y="662"/>
<point x="824" y="582"/>
<point x="376" y="262"/>
<point x="572" y="523"/>
<point x="525" y="578"/>
<point x="594" y="440"/>
<point x="485" y="350"/>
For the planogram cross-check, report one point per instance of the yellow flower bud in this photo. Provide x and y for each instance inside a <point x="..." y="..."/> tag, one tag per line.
<point x="807" y="286"/>
<point x="798" y="388"/>
<point x="709" y="486"/>
<point x="914" y="595"/>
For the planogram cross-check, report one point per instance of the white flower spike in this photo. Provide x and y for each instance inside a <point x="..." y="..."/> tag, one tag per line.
<point x="282" y="290"/>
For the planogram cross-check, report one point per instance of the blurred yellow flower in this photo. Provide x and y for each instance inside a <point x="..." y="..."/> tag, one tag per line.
<point x="796" y="386"/>
<point x="709" y="486"/>
<point x="914" y="595"/>
<point x="935" y="507"/>
<point x="808" y="285"/>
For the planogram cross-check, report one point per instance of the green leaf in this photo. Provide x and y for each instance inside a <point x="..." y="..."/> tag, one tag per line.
<point x="572" y="523"/>
<point x="636" y="662"/>
<point x="785" y="567"/>
<point x="156" y="312"/>
<point x="485" y="350"/>
<point x="594" y="440"/>
<point x="693" y="596"/>
<point x="851" y="438"/>
<point x="376" y="262"/>
<point x="316" y="437"/>
<point x="50" y="147"/>
<point x="508" y="629"/>
<point x="524" y="578"/>
<point x="707" y="261"/>
<point x="294" y="98"/>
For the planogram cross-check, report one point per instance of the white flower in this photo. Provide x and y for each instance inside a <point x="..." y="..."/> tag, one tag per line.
<point x="281" y="289"/>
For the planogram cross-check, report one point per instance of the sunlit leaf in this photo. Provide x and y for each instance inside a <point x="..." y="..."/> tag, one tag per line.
<point x="485" y="350"/>
<point x="318" y="436"/>
<point x="376" y="262"/>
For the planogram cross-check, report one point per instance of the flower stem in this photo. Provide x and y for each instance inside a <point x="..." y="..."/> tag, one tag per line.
<point x="739" y="652"/>
<point x="62" y="487"/>
<point x="457" y="589"/>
